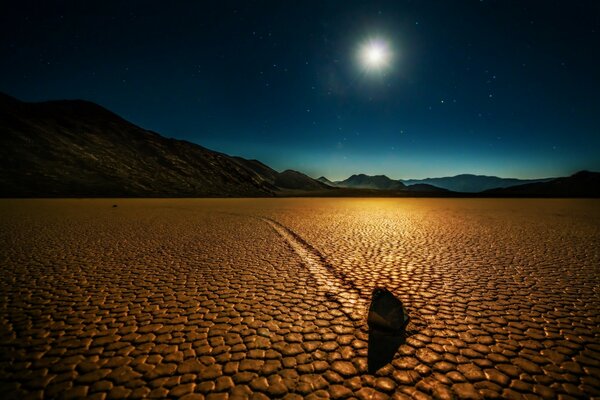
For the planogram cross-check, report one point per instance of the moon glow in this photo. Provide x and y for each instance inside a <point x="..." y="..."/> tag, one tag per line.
<point x="375" y="55"/>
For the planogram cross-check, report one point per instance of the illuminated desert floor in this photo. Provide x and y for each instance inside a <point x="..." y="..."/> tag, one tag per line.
<point x="254" y="298"/>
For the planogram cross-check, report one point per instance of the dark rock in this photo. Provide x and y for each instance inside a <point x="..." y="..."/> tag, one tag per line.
<point x="387" y="312"/>
<point x="387" y="321"/>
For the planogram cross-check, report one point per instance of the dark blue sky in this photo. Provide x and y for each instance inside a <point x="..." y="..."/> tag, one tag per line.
<point x="508" y="88"/>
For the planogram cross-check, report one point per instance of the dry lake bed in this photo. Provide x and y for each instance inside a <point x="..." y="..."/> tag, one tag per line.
<point x="262" y="298"/>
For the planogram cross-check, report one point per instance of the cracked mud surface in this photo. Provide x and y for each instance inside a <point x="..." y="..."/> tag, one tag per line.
<point x="206" y="299"/>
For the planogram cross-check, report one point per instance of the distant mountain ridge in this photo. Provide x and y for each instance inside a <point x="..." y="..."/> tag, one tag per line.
<point x="464" y="183"/>
<point x="362" y="181"/>
<point x="580" y="184"/>
<point x="381" y="182"/>
<point x="469" y="183"/>
<point x="326" y="181"/>
<point x="78" y="148"/>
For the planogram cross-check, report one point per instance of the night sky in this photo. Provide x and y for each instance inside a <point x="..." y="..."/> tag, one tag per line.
<point x="507" y="88"/>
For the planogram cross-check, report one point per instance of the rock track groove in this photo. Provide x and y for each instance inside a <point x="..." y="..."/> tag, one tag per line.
<point x="353" y="302"/>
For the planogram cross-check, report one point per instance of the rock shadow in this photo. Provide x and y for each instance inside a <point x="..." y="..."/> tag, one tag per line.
<point x="387" y="322"/>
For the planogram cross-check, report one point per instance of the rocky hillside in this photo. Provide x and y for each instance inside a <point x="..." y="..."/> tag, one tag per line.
<point x="78" y="148"/>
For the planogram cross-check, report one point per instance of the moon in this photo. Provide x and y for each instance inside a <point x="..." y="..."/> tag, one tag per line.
<point x="375" y="55"/>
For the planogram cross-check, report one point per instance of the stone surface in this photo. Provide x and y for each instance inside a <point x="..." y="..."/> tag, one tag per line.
<point x="203" y="299"/>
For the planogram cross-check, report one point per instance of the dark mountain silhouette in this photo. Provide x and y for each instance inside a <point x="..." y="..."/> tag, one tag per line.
<point x="290" y="179"/>
<point x="78" y="148"/>
<point x="326" y="181"/>
<point x="423" y="187"/>
<point x="581" y="184"/>
<point x="363" y="181"/>
<point x="468" y="183"/>
<point x="382" y="183"/>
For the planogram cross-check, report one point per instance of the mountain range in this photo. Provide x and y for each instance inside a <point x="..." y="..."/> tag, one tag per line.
<point x="464" y="183"/>
<point x="78" y="148"/>
<point x="468" y="183"/>
<point x="362" y="181"/>
<point x="580" y="184"/>
<point x="75" y="148"/>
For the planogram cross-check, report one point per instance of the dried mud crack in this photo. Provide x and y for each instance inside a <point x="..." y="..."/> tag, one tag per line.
<point x="172" y="298"/>
<point x="353" y="302"/>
